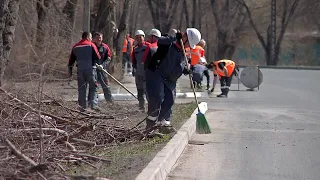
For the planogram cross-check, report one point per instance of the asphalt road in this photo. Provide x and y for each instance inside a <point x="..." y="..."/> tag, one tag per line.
<point x="270" y="134"/>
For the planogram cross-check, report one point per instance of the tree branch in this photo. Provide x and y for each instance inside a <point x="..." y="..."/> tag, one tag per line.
<point x="19" y="153"/>
<point x="261" y="39"/>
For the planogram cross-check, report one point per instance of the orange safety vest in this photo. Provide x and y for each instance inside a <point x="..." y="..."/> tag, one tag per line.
<point x="188" y="53"/>
<point x="230" y="65"/>
<point x="196" y="54"/>
<point x="132" y="44"/>
<point x="125" y="44"/>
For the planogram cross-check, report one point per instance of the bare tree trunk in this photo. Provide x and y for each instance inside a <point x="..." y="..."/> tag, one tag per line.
<point x="200" y="15"/>
<point x="229" y="20"/>
<point x="194" y="13"/>
<point x="135" y="11"/>
<point x="136" y="16"/>
<point x="186" y="12"/>
<point x="69" y="10"/>
<point x="9" y="10"/>
<point x="42" y="10"/>
<point x="180" y="21"/>
<point x="116" y="65"/>
<point x="105" y="22"/>
<point x="209" y="45"/>
<point x="285" y="19"/>
<point x="162" y="15"/>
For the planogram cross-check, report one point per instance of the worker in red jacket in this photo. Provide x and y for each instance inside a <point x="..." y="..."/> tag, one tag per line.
<point x="154" y="35"/>
<point x="86" y="54"/>
<point x="105" y="54"/>
<point x="138" y="72"/>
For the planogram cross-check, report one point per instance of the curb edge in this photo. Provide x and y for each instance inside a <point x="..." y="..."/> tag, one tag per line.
<point x="162" y="163"/>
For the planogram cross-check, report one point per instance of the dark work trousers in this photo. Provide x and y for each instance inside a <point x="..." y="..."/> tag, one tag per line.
<point x="85" y="78"/>
<point x="206" y="74"/>
<point x="161" y="96"/>
<point x="225" y="83"/>
<point x="103" y="81"/>
<point x="141" y="88"/>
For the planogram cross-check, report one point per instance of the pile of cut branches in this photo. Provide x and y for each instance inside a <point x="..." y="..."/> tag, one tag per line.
<point x="40" y="135"/>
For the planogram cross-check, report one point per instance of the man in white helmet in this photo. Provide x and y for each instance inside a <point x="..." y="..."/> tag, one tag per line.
<point x="163" y="71"/>
<point x="154" y="35"/>
<point x="137" y="58"/>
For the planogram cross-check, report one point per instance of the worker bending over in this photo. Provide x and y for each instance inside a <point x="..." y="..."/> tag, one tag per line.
<point x="198" y="71"/>
<point x="224" y="69"/>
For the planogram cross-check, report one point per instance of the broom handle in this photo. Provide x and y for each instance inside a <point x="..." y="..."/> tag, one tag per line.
<point x="118" y="82"/>
<point x="190" y="78"/>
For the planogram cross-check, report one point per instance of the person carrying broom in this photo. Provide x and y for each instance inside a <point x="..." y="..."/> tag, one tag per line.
<point x="162" y="72"/>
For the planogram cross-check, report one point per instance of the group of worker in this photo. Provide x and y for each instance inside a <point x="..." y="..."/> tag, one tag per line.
<point x="87" y="53"/>
<point x="156" y="62"/>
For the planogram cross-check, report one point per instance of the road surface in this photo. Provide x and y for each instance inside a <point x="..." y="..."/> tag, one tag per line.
<point x="270" y="134"/>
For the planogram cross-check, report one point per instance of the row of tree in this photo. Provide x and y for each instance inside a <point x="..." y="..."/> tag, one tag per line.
<point x="44" y="30"/>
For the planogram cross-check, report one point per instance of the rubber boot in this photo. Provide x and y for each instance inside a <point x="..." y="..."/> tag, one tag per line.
<point x="223" y="93"/>
<point x="108" y="95"/>
<point x="149" y="124"/>
<point x="226" y="92"/>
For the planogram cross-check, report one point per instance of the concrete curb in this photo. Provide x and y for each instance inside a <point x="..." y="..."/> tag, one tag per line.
<point x="162" y="163"/>
<point x="286" y="67"/>
<point x="127" y="97"/>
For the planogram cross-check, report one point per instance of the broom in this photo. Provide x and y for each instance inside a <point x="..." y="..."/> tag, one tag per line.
<point x="202" y="126"/>
<point x="105" y="71"/>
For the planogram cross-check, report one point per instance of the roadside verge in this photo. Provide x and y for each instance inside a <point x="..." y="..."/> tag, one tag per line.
<point x="162" y="163"/>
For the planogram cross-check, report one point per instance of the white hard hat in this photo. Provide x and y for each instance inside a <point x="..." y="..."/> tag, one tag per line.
<point x="194" y="37"/>
<point x="139" y="33"/>
<point x="155" y="32"/>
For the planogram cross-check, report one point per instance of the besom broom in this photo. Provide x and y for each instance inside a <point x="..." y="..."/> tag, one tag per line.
<point x="202" y="126"/>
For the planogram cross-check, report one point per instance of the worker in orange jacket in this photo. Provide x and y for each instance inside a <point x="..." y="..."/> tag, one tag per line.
<point x="202" y="43"/>
<point x="127" y="49"/>
<point x="224" y="69"/>
<point x="196" y="54"/>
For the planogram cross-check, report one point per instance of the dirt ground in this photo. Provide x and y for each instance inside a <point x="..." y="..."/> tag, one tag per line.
<point x="115" y="135"/>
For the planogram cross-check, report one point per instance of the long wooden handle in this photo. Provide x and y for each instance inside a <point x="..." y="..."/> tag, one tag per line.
<point x="118" y="82"/>
<point x="190" y="77"/>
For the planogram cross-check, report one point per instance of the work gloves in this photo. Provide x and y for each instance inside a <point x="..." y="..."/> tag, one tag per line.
<point x="179" y="35"/>
<point x="100" y="67"/>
